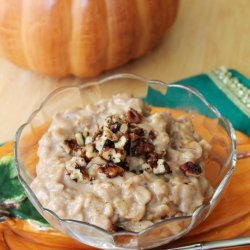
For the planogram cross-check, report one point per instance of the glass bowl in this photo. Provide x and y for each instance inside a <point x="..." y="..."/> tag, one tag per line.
<point x="207" y="121"/>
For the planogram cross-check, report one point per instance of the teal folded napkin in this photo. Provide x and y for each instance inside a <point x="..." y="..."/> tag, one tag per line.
<point x="229" y="91"/>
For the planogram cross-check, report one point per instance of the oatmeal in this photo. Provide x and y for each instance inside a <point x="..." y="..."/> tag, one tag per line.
<point x="117" y="165"/>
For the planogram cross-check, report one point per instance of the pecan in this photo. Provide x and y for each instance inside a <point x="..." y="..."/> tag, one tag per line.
<point x="167" y="168"/>
<point x="80" y="139"/>
<point x="148" y="147"/>
<point x="72" y="144"/>
<point x="134" y="136"/>
<point x="98" y="133"/>
<point x="191" y="169"/>
<point x="121" y="144"/>
<point x="151" y="135"/>
<point x="133" y="116"/>
<point x="109" y="144"/>
<point x="83" y="171"/>
<point x="115" y="127"/>
<point x="136" y="130"/>
<point x="111" y="154"/>
<point x="152" y="159"/>
<point x="162" y="168"/>
<point x="137" y="147"/>
<point x="124" y="128"/>
<point x="111" y="170"/>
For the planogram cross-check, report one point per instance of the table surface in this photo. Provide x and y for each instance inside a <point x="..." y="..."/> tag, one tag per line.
<point x="206" y="35"/>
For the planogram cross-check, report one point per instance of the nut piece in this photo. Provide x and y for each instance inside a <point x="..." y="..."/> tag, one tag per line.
<point x="80" y="139"/>
<point x="152" y="159"/>
<point x="133" y="116"/>
<point x="162" y="167"/>
<point x="151" y="135"/>
<point x="191" y="169"/>
<point x="122" y="142"/>
<point x="111" y="170"/>
<point x="76" y="169"/>
<point x="110" y="154"/>
<point x="124" y="128"/>
<point x="70" y="145"/>
<point x="109" y="135"/>
<point x="89" y="153"/>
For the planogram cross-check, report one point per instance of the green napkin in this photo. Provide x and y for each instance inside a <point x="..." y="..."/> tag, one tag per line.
<point x="229" y="92"/>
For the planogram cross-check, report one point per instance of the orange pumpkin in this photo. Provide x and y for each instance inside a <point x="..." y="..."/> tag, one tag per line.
<point x="81" y="37"/>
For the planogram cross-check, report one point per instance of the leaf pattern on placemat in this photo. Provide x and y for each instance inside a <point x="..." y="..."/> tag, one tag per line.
<point x="13" y="201"/>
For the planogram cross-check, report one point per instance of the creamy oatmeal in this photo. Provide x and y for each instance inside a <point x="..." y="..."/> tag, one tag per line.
<point x="117" y="165"/>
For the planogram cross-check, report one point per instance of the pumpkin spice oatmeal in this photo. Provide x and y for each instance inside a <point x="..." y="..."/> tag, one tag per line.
<point x="116" y="165"/>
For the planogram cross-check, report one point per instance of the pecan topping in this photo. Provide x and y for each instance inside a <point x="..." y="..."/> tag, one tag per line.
<point x="133" y="116"/>
<point x="137" y="147"/>
<point x="82" y="170"/>
<point x="152" y="159"/>
<point x="72" y="144"/>
<point x="111" y="170"/>
<point x="151" y="135"/>
<point x="162" y="167"/>
<point x="115" y="127"/>
<point x="148" y="147"/>
<point x="119" y="137"/>
<point x="191" y="169"/>
<point x="136" y="130"/>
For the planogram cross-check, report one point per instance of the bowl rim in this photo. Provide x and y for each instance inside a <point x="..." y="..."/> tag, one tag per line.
<point x="98" y="81"/>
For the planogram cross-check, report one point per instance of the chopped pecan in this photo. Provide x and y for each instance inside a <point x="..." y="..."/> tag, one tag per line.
<point x="76" y="170"/>
<point x="133" y="116"/>
<point x="162" y="167"/>
<point x="121" y="144"/>
<point x="148" y="147"/>
<point x="111" y="170"/>
<point x="90" y="152"/>
<point x="111" y="154"/>
<point x="151" y="135"/>
<point x="191" y="169"/>
<point x="134" y="136"/>
<point x="137" y="147"/>
<point x="152" y="159"/>
<point x="136" y="130"/>
<point x="109" y="144"/>
<point x="115" y="127"/>
<point x="124" y="128"/>
<point x="72" y="144"/>
<point x="108" y="134"/>
<point x="80" y="139"/>
<point x="83" y="171"/>
<point x="98" y="133"/>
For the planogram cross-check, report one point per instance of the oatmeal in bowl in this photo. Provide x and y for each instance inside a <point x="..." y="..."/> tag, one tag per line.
<point x="118" y="165"/>
<point x="138" y="164"/>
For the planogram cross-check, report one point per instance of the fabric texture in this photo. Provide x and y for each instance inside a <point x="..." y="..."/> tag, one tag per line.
<point x="206" y="85"/>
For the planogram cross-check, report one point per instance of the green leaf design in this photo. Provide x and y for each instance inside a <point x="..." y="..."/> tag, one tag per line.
<point x="26" y="211"/>
<point x="11" y="190"/>
<point x="13" y="200"/>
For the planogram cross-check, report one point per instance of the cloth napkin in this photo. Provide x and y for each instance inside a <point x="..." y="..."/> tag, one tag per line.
<point x="229" y="91"/>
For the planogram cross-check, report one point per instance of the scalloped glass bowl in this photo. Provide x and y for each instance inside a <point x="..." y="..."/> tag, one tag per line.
<point x="182" y="100"/>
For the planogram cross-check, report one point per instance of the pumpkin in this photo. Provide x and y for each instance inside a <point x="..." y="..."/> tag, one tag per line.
<point x="81" y="37"/>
